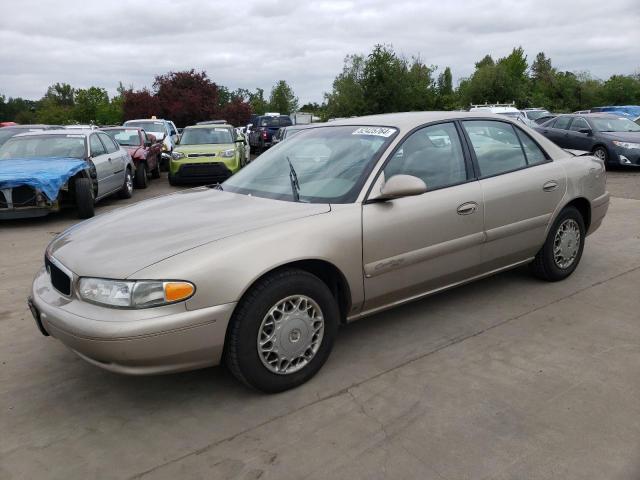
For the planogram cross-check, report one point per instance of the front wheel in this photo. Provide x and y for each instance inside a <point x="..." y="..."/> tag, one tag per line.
<point x="127" y="187"/>
<point x="282" y="331"/>
<point x="601" y="153"/>
<point x="561" y="252"/>
<point x="142" y="181"/>
<point x="85" y="200"/>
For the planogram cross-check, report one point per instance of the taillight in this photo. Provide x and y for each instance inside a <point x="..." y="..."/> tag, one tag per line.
<point x="264" y="134"/>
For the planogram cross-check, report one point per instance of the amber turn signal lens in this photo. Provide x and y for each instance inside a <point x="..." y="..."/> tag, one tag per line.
<point x="176" y="291"/>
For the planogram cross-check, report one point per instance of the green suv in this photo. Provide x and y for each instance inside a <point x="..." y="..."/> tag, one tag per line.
<point x="206" y="154"/>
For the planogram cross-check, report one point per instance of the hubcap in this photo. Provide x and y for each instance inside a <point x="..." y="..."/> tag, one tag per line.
<point x="599" y="153"/>
<point x="290" y="334"/>
<point x="566" y="243"/>
<point x="129" y="182"/>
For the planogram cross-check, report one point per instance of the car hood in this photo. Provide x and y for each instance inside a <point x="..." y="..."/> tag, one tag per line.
<point x="622" y="136"/>
<point x="206" y="148"/>
<point x="119" y="243"/>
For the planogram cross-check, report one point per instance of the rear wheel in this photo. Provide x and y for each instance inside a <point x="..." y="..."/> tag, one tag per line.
<point x="282" y="331"/>
<point x="561" y="252"/>
<point x="142" y="181"/>
<point x="85" y="200"/>
<point x="127" y="187"/>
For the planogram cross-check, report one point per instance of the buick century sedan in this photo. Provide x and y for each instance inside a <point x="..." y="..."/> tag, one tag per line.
<point x="340" y="222"/>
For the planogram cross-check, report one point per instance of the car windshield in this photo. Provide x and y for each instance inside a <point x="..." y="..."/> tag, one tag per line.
<point x="157" y="128"/>
<point x="510" y="114"/>
<point x="269" y="122"/>
<point x="536" y="114"/>
<point x="36" y="146"/>
<point x="206" y="136"/>
<point x="318" y="165"/>
<point x="615" y="125"/>
<point x="126" y="138"/>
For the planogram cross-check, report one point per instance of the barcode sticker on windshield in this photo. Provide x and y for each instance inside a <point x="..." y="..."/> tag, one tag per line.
<point x="377" y="131"/>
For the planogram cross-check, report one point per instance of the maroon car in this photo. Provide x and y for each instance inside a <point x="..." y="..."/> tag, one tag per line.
<point x="144" y="149"/>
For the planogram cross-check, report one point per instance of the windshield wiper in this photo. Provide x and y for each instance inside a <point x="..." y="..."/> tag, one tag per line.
<point x="295" y="186"/>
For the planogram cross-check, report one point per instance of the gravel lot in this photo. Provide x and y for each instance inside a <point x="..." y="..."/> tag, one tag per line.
<point x="506" y="378"/>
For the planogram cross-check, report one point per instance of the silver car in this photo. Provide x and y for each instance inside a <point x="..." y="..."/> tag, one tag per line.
<point x="108" y="169"/>
<point x="339" y="222"/>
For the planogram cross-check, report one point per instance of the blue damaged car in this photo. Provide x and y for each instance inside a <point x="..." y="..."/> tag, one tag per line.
<point x="42" y="172"/>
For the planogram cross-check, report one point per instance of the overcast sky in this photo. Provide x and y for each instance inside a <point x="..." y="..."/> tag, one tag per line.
<point x="255" y="43"/>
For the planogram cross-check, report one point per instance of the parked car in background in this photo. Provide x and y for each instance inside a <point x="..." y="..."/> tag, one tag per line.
<point x="544" y="119"/>
<point x="337" y="223"/>
<point x="7" y="132"/>
<point x="43" y="171"/>
<point x="144" y="150"/>
<point x="633" y="111"/>
<point x="533" y="114"/>
<point x="613" y="139"/>
<point x="262" y="131"/>
<point x="164" y="130"/>
<point x="287" y="132"/>
<point x="81" y="127"/>
<point x="207" y="154"/>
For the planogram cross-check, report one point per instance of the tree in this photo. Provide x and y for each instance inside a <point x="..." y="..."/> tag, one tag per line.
<point x="258" y="103"/>
<point x="186" y="97"/>
<point x="87" y="102"/>
<point x="139" y="104"/>
<point x="282" y="98"/>
<point x="347" y="95"/>
<point x="237" y="112"/>
<point x="61" y="94"/>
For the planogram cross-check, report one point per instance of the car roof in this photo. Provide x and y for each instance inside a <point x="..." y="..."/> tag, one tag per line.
<point x="121" y="128"/>
<point x="212" y="125"/>
<point x="79" y="131"/>
<point x="408" y="120"/>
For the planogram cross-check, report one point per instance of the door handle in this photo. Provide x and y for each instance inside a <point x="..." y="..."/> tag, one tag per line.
<point x="546" y="131"/>
<point x="467" y="208"/>
<point x="550" y="186"/>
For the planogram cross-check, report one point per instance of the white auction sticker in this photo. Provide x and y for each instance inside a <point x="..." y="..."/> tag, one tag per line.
<point x="377" y="131"/>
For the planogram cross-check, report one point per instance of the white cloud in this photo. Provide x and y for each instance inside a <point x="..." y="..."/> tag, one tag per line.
<point x="255" y="43"/>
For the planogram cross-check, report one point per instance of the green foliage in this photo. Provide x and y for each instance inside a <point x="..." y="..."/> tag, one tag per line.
<point x="282" y="98"/>
<point x="379" y="83"/>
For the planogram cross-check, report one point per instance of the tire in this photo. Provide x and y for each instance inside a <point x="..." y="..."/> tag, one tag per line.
<point x="155" y="173"/>
<point x="253" y="315"/>
<point x="85" y="202"/>
<point x="545" y="265"/>
<point x="601" y="153"/>
<point x="172" y="180"/>
<point x="142" y="181"/>
<point x="127" y="187"/>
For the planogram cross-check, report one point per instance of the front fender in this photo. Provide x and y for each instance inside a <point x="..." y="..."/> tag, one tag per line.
<point x="223" y="270"/>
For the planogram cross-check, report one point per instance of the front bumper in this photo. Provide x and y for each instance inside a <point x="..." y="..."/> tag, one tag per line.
<point x="201" y="172"/>
<point x="629" y="157"/>
<point x="24" y="212"/>
<point x="139" y="342"/>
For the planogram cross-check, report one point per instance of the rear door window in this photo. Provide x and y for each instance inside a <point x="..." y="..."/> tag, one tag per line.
<point x="496" y="146"/>
<point x="562" y="123"/>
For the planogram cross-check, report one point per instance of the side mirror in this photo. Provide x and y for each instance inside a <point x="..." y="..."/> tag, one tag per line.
<point x="586" y="131"/>
<point x="400" y="186"/>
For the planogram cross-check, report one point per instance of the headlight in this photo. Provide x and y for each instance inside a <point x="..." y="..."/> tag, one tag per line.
<point x="228" y="153"/>
<point x="177" y="155"/>
<point x="628" y="145"/>
<point x="134" y="294"/>
<point x="165" y="147"/>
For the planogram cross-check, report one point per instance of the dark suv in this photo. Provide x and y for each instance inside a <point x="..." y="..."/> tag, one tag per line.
<point x="263" y="129"/>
